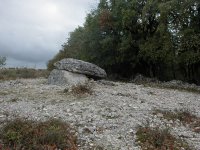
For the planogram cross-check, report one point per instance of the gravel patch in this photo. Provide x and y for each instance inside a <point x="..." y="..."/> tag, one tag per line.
<point x="106" y="119"/>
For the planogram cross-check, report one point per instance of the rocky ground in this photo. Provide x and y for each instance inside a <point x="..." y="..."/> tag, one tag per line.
<point x="108" y="118"/>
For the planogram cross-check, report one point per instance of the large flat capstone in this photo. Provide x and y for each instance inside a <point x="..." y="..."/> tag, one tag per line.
<point x="81" y="67"/>
<point x="62" y="77"/>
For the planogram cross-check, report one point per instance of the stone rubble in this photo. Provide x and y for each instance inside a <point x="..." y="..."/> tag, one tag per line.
<point x="106" y="119"/>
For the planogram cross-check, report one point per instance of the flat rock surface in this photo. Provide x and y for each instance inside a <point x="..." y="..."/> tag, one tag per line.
<point x="107" y="118"/>
<point x="79" y="66"/>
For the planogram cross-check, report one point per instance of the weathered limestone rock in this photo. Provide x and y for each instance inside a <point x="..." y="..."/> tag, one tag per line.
<point x="82" y="67"/>
<point x="62" y="77"/>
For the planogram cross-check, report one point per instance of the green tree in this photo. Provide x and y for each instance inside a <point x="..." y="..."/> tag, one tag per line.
<point x="158" y="38"/>
<point x="189" y="49"/>
<point x="157" y="48"/>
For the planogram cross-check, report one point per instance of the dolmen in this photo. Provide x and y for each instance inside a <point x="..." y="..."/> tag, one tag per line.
<point x="72" y="72"/>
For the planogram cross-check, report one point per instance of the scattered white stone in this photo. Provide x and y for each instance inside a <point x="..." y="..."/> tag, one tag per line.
<point x="111" y="117"/>
<point x="160" y="115"/>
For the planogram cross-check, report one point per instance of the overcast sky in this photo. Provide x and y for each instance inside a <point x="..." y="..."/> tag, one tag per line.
<point x="32" y="31"/>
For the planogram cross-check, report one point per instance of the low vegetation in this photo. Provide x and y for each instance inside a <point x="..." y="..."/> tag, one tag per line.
<point x="79" y="90"/>
<point x="174" y="87"/>
<point x="49" y="135"/>
<point x="174" y="84"/>
<point x="159" y="139"/>
<point x="184" y="116"/>
<point x="15" y="73"/>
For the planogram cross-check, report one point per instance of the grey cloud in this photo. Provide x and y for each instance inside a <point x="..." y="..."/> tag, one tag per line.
<point x="31" y="33"/>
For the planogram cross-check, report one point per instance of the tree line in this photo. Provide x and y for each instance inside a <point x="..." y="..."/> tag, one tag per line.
<point x="156" y="38"/>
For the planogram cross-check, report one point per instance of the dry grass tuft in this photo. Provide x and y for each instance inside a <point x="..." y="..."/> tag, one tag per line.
<point x="184" y="116"/>
<point x="80" y="90"/>
<point x="49" y="135"/>
<point x="158" y="139"/>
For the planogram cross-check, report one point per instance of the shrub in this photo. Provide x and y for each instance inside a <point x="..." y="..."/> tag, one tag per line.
<point x="24" y="134"/>
<point x="158" y="139"/>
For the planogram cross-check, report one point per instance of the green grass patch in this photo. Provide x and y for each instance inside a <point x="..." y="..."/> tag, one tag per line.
<point x="23" y="134"/>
